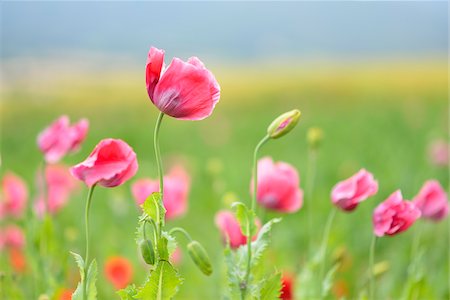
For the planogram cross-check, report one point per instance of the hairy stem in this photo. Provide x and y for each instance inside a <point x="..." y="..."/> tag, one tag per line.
<point x="182" y="231"/>
<point x="86" y="226"/>
<point x="159" y="164"/>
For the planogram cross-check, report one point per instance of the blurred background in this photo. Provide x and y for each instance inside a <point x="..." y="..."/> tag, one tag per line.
<point x="372" y="75"/>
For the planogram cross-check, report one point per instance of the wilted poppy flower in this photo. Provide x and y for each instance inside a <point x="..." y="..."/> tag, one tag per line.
<point x="349" y="193"/>
<point x="287" y="287"/>
<point x="111" y="163"/>
<point x="278" y="186"/>
<point x="60" y="138"/>
<point x="184" y="90"/>
<point x="432" y="201"/>
<point x="176" y="190"/>
<point x="59" y="185"/>
<point x="13" y="237"/>
<point x="119" y="271"/>
<point x="14" y="196"/>
<point x="438" y="153"/>
<point x="230" y="230"/>
<point x="394" y="215"/>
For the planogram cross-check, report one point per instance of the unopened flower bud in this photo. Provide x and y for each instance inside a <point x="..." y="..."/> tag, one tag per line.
<point x="147" y="252"/>
<point x="314" y="137"/>
<point x="200" y="257"/>
<point x="283" y="124"/>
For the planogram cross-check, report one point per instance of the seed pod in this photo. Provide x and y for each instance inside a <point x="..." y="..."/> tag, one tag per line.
<point x="200" y="257"/>
<point x="283" y="124"/>
<point x="147" y="251"/>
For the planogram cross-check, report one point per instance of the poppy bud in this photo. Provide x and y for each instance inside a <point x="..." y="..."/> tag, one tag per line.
<point x="200" y="257"/>
<point x="314" y="137"/>
<point x="283" y="124"/>
<point x="147" y="251"/>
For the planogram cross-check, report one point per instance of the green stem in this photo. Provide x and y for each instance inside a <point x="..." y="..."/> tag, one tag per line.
<point x="311" y="173"/>
<point x="323" y="246"/>
<point x="255" y="170"/>
<point x="371" y="267"/>
<point x="255" y="190"/>
<point x="86" y="225"/>
<point x="155" y="230"/>
<point x="159" y="164"/>
<point x="182" y="231"/>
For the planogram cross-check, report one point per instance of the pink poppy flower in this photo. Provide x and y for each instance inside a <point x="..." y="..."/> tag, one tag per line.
<point x="176" y="191"/>
<point x="185" y="90"/>
<point x="13" y="237"/>
<point x="60" y="138"/>
<point x="438" y="153"/>
<point x="14" y="196"/>
<point x="111" y="163"/>
<point x="278" y="186"/>
<point x="394" y="215"/>
<point x="59" y="185"/>
<point x="176" y="257"/>
<point x="349" y="193"/>
<point x="230" y="230"/>
<point x="432" y="201"/>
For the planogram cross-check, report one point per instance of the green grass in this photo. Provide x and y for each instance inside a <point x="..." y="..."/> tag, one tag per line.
<point x="379" y="118"/>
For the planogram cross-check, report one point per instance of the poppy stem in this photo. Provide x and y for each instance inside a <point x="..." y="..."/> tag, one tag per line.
<point x="86" y="225"/>
<point x="371" y="267"/>
<point x="182" y="231"/>
<point x="255" y="189"/>
<point x="323" y="246"/>
<point x="311" y="171"/>
<point x="159" y="162"/>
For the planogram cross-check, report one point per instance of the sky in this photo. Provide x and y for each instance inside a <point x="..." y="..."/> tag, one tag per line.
<point x="226" y="30"/>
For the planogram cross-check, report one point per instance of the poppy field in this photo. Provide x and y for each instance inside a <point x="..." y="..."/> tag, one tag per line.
<point x="141" y="184"/>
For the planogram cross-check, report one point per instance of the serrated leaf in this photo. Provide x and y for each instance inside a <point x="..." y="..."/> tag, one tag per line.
<point x="327" y="283"/>
<point x="78" y="293"/>
<point x="91" y="290"/>
<point x="162" y="284"/>
<point x="162" y="249"/>
<point x="128" y="293"/>
<point x="235" y="272"/>
<point x="171" y="242"/>
<point x="154" y="208"/>
<point x="245" y="218"/>
<point x="271" y="288"/>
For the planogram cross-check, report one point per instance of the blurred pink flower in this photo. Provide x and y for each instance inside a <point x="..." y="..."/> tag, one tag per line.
<point x="432" y="201"/>
<point x="176" y="191"/>
<point x="14" y="196"/>
<point x="438" y="153"/>
<point x="184" y="90"/>
<point x="230" y="230"/>
<point x="278" y="186"/>
<point x="60" y="138"/>
<point x="394" y="215"/>
<point x="349" y="193"/>
<point x="12" y="237"/>
<point x="111" y="163"/>
<point x="59" y="185"/>
<point x="176" y="257"/>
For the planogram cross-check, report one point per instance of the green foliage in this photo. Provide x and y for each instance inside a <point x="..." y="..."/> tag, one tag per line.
<point x="154" y="208"/>
<point x="91" y="278"/>
<point x="236" y="262"/>
<point x="162" y="284"/>
<point x="271" y="287"/>
<point x="200" y="257"/>
<point x="128" y="293"/>
<point x="246" y="219"/>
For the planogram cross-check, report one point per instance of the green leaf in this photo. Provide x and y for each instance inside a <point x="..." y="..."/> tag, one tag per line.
<point x="171" y="242"/>
<point x="235" y="271"/>
<point x="78" y="293"/>
<point x="90" y="281"/>
<point x="245" y="217"/>
<point x="128" y="293"/>
<point x="154" y="208"/>
<point x="162" y="284"/>
<point x="163" y="252"/>
<point x="271" y="288"/>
